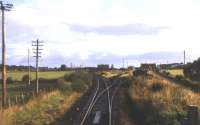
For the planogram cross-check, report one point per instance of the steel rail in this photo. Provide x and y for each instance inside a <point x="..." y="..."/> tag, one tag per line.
<point x="90" y="106"/>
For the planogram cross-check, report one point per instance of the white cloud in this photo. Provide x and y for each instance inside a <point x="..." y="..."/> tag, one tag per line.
<point x="49" y="21"/>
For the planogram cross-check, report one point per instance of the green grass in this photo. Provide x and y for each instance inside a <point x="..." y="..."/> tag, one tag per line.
<point x="175" y="72"/>
<point x="41" y="110"/>
<point x="77" y="81"/>
<point x="48" y="105"/>
<point x="17" y="88"/>
<point x="17" y="75"/>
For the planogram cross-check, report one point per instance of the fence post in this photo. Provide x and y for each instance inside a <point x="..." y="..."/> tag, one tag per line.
<point x="192" y="115"/>
<point x="16" y="100"/>
<point x="22" y="96"/>
<point x="9" y="102"/>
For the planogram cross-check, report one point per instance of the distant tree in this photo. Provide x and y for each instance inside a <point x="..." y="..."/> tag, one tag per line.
<point x="10" y="80"/>
<point x="193" y="70"/>
<point x="25" y="78"/>
<point x="63" y="67"/>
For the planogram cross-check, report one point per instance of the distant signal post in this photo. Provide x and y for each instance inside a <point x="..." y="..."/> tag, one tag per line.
<point x="4" y="7"/>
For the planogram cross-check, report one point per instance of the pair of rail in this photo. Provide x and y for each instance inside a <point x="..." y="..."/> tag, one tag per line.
<point x="97" y="95"/>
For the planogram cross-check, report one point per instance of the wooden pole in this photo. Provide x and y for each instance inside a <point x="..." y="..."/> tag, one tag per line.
<point x="29" y="73"/>
<point x="4" y="8"/>
<point x="4" y="92"/>
<point x="37" y="82"/>
<point x="37" y="52"/>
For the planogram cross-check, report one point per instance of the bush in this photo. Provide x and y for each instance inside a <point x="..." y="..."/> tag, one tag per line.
<point x="139" y="72"/>
<point x="78" y="85"/>
<point x="157" y="87"/>
<point x="43" y="80"/>
<point x="192" y="70"/>
<point x="179" y="77"/>
<point x="80" y="81"/>
<point x="62" y="84"/>
<point x="25" y="78"/>
<point x="69" y="77"/>
<point x="10" y="80"/>
<point x="166" y="73"/>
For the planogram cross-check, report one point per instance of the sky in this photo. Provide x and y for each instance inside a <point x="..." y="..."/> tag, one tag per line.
<point x="89" y="32"/>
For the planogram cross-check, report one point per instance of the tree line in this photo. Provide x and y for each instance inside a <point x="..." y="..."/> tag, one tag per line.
<point x="62" y="67"/>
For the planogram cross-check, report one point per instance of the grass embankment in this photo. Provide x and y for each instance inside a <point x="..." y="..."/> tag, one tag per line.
<point x="41" y="110"/>
<point x="109" y="74"/>
<point x="177" y="77"/>
<point x="121" y="74"/>
<point x="48" y="106"/>
<point x="156" y="101"/>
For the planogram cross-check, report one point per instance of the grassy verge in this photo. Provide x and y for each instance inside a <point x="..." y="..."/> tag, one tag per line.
<point x="41" y="110"/>
<point x="159" y="102"/>
<point x="48" y="106"/>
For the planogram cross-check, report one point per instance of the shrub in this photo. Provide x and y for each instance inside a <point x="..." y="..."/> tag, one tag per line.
<point x="10" y="80"/>
<point x="157" y="87"/>
<point x="69" y="77"/>
<point x="78" y="85"/>
<point x="139" y="72"/>
<point x="80" y="81"/>
<point x="62" y="84"/>
<point x="192" y="70"/>
<point x="166" y="73"/>
<point x="179" y="77"/>
<point x="25" y="78"/>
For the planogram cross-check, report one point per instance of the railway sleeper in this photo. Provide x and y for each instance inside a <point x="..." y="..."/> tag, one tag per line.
<point x="97" y="118"/>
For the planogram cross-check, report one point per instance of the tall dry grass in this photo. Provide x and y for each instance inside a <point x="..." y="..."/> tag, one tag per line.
<point x="12" y="115"/>
<point x="161" y="101"/>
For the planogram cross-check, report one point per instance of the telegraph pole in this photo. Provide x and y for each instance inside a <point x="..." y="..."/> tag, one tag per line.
<point x="4" y="7"/>
<point x="37" y="51"/>
<point x="29" y="71"/>
<point x="123" y="63"/>
<point x="184" y="57"/>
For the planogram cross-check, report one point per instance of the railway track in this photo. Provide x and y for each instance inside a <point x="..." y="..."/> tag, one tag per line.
<point x="99" y="111"/>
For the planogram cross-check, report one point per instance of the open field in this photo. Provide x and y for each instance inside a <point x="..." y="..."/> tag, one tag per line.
<point x="109" y="74"/>
<point x="175" y="72"/>
<point x="19" y="87"/>
<point x="17" y="75"/>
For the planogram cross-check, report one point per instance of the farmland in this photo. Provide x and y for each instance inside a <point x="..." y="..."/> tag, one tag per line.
<point x="18" y="87"/>
<point x="175" y="72"/>
<point x="17" y="75"/>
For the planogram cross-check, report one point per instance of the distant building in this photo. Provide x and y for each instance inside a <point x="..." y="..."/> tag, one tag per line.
<point x="131" y="68"/>
<point x="171" y="66"/>
<point x="103" y="67"/>
<point x="90" y="69"/>
<point x="43" y="69"/>
<point x="146" y="66"/>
